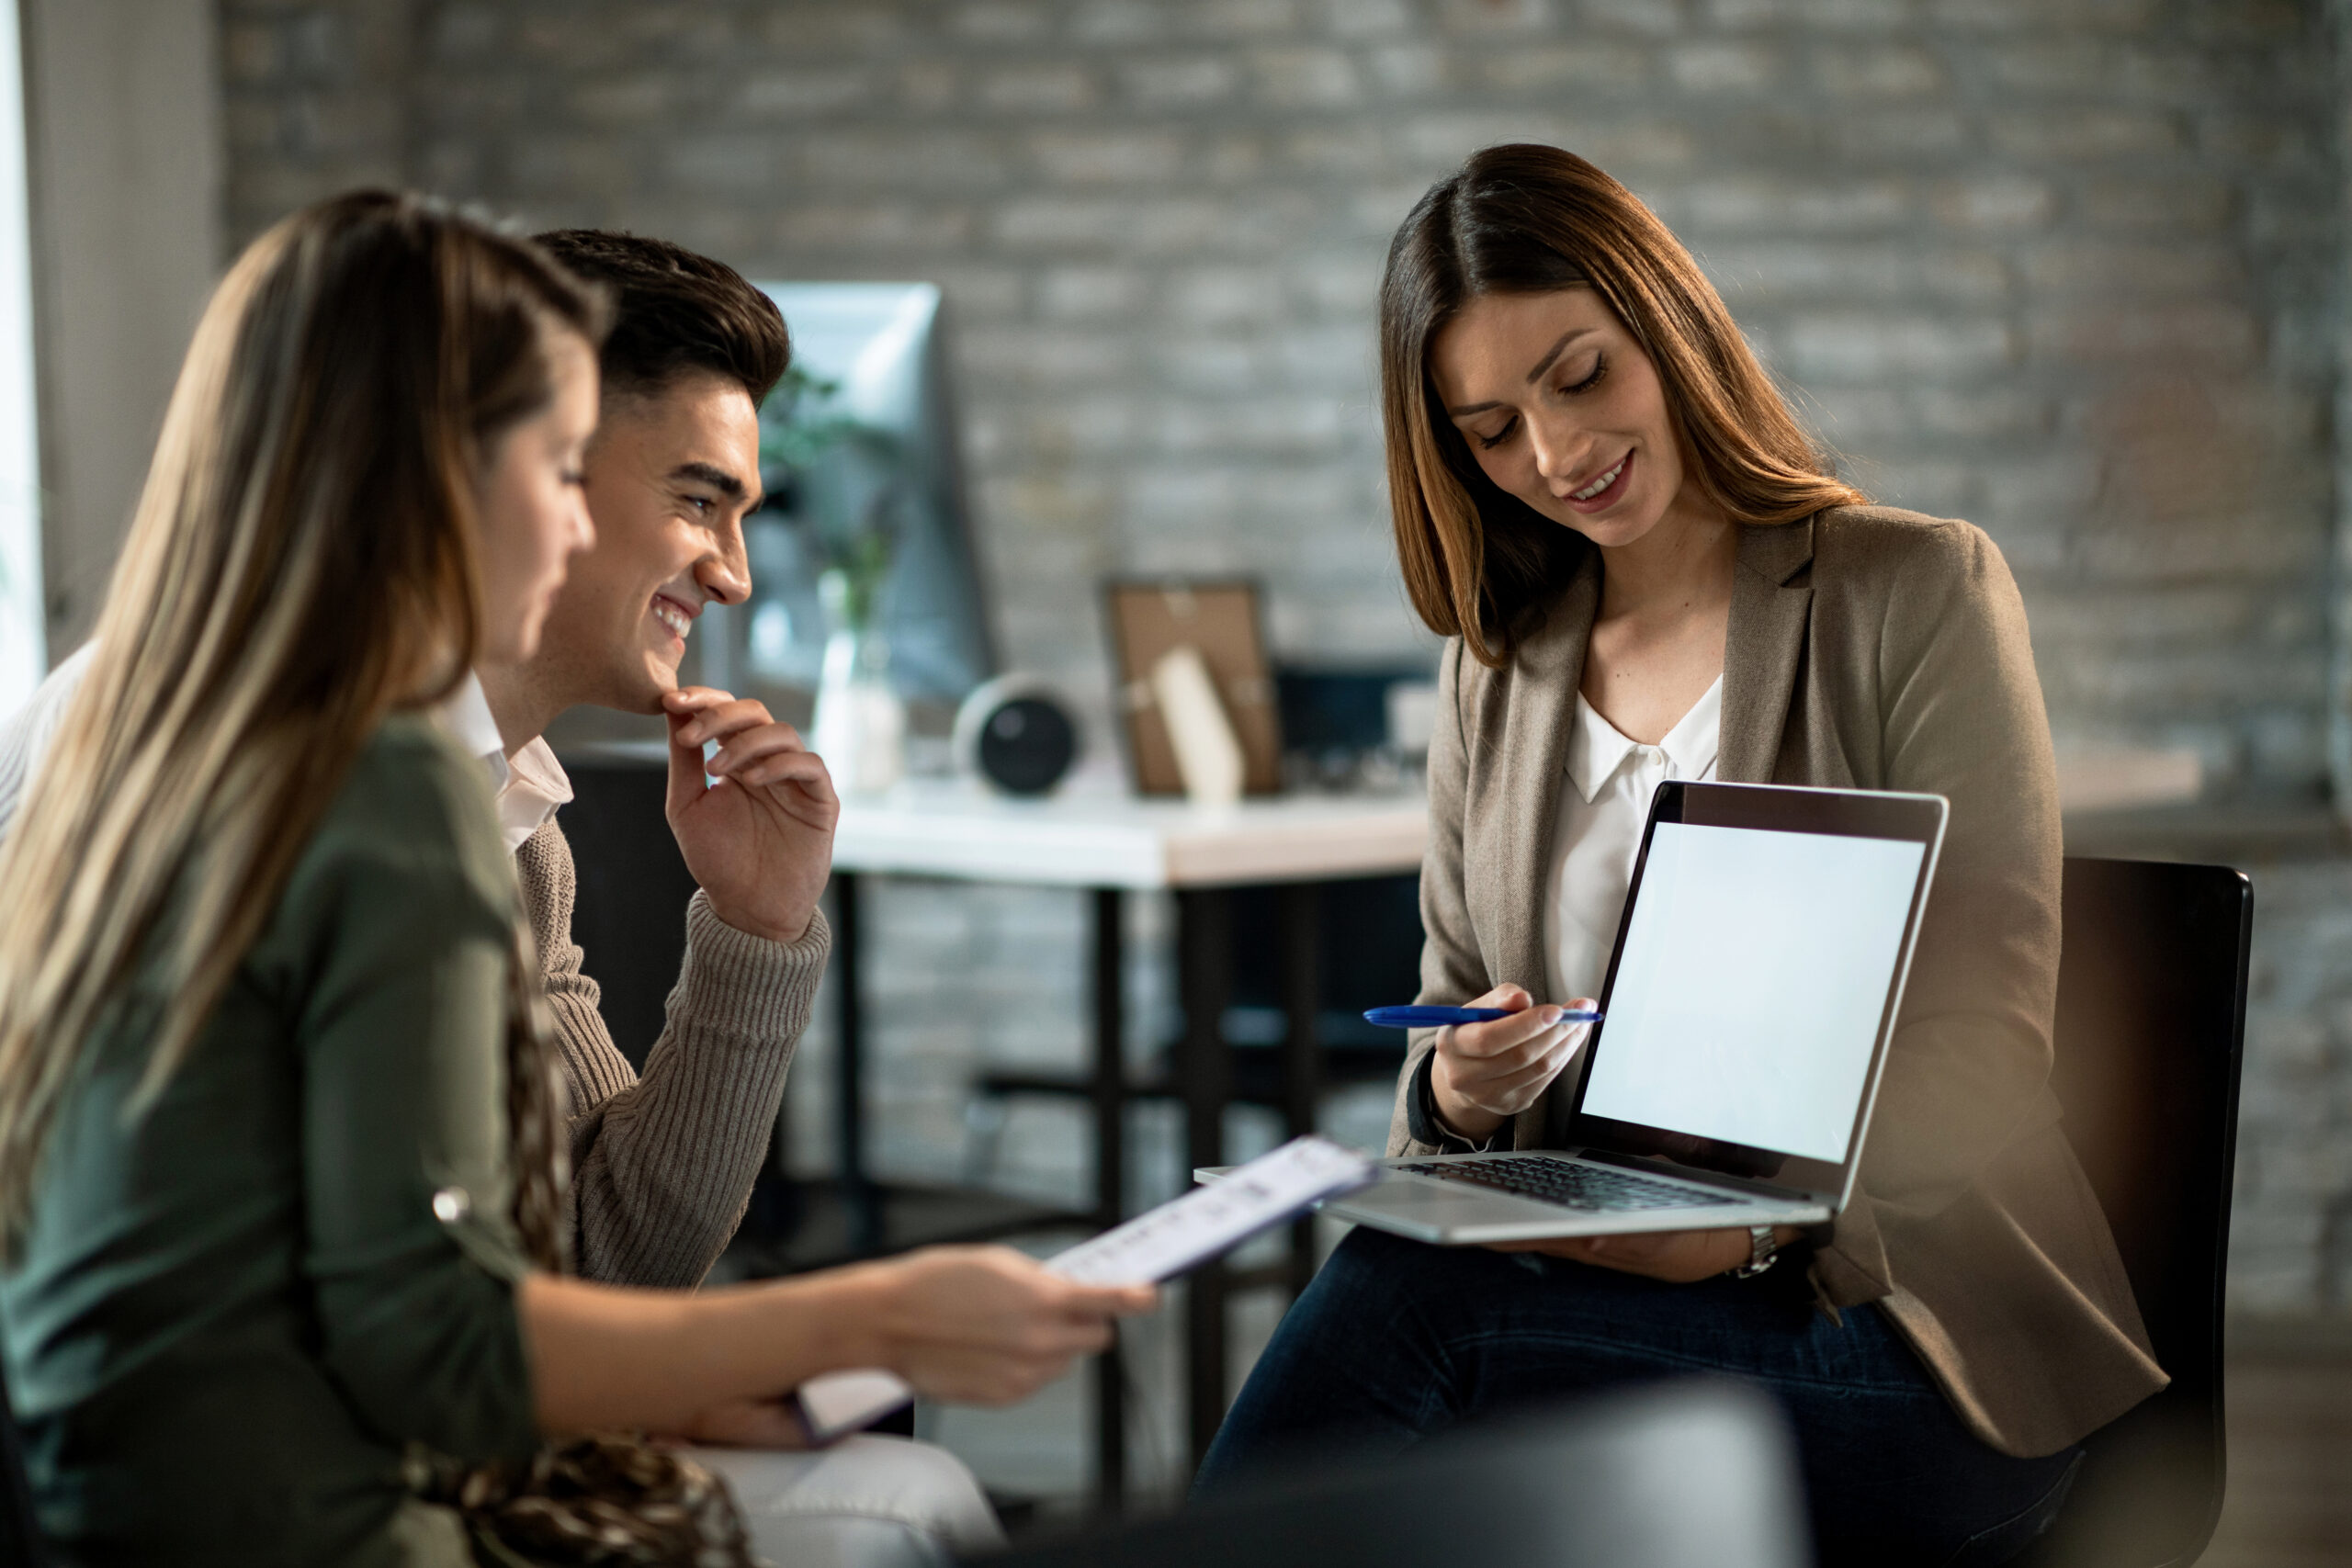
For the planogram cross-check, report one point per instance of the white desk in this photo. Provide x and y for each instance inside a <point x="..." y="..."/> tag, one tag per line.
<point x="1093" y="838"/>
<point x="1099" y="839"/>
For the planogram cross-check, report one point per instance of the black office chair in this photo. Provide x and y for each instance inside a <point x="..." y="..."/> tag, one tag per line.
<point x="2152" y="995"/>
<point x="1695" y="1475"/>
<point x="633" y="885"/>
<point x="20" y="1542"/>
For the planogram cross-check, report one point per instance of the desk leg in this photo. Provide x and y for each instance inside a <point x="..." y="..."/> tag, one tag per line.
<point x="1299" y="951"/>
<point x="1108" y="1092"/>
<point x="1205" y="1069"/>
<point x="861" y="1210"/>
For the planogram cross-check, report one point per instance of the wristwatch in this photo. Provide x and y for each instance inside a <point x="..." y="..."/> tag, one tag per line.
<point x="1763" y="1253"/>
<point x="1421" y="1118"/>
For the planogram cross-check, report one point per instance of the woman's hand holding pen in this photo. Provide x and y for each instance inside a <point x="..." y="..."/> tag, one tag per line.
<point x="1485" y="1073"/>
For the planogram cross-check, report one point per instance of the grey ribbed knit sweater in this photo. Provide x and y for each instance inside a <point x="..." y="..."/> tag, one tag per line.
<point x="663" y="1164"/>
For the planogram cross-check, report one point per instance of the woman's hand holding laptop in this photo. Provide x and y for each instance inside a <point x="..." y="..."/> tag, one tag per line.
<point x="1485" y="1073"/>
<point x="1679" y="1257"/>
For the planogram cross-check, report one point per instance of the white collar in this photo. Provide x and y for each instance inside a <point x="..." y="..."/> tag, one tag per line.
<point x="1596" y="749"/>
<point x="529" y="788"/>
<point x="537" y="786"/>
<point x="466" y="716"/>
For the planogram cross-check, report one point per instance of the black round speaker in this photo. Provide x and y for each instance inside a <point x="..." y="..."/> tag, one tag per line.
<point x="1014" y="733"/>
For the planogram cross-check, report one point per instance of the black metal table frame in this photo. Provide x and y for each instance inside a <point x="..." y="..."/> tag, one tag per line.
<point x="1204" y="1079"/>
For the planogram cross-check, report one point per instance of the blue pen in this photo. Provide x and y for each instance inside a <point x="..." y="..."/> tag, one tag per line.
<point x="1434" y="1017"/>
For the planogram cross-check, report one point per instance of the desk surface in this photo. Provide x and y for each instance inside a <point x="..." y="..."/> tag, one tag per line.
<point x="1092" y="834"/>
<point x="1092" y="838"/>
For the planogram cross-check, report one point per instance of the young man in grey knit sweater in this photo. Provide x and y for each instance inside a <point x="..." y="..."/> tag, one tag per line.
<point x="663" y="1162"/>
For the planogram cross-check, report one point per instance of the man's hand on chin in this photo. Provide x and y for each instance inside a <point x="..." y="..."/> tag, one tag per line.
<point x="760" y="841"/>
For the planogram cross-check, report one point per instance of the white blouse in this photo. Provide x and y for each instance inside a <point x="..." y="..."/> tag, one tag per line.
<point x="1604" y="802"/>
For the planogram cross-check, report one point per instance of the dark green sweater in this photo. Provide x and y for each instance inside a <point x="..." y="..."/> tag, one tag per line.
<point x="231" y="1314"/>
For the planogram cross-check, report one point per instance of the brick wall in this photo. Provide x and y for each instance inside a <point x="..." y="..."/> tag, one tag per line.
<point x="2061" y="267"/>
<point x="2065" y="267"/>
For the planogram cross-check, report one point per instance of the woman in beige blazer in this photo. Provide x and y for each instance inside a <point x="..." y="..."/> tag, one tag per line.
<point x="1644" y="571"/>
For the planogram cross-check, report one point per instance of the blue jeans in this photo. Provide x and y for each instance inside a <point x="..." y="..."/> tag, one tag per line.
<point x="1395" y="1341"/>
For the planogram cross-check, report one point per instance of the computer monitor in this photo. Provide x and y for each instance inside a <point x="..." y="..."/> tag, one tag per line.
<point x="881" y="346"/>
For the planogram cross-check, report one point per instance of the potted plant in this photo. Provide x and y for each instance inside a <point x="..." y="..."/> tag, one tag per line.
<point x="836" y="480"/>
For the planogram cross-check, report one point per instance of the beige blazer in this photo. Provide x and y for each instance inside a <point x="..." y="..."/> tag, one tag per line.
<point x="1869" y="648"/>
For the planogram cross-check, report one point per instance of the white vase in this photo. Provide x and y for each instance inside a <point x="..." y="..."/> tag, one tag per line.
<point x="860" y="726"/>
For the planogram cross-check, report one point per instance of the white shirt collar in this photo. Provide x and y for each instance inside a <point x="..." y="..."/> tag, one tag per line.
<point x="530" y="787"/>
<point x="538" y="785"/>
<point x="1596" y="749"/>
<point x="466" y="716"/>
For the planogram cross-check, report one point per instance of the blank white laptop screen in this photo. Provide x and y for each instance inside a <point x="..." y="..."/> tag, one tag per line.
<point x="1754" y="973"/>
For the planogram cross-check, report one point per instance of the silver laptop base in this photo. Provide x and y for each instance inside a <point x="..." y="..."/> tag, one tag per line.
<point x="1457" y="1212"/>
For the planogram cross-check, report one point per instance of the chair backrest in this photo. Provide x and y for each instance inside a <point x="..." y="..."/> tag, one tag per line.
<point x="2152" y="992"/>
<point x="19" y="1537"/>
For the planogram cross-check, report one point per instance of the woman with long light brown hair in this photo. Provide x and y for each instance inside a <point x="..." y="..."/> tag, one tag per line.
<point x="1645" y="571"/>
<point x="280" y="1177"/>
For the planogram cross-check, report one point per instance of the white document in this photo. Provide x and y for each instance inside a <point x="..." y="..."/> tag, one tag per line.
<point x="1180" y="1234"/>
<point x="1186" y="1232"/>
<point x="838" y="1404"/>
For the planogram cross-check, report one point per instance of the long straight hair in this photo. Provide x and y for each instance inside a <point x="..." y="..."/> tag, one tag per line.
<point x="1532" y="219"/>
<point x="303" y="562"/>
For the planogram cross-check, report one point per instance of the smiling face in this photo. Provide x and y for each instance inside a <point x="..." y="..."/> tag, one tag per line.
<point x="1563" y="409"/>
<point x="671" y="476"/>
<point x="529" y="505"/>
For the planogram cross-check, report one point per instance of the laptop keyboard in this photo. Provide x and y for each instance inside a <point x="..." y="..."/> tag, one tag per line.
<point x="1569" y="1184"/>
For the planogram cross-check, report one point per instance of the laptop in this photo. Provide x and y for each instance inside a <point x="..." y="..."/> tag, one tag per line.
<point x="1755" y="982"/>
